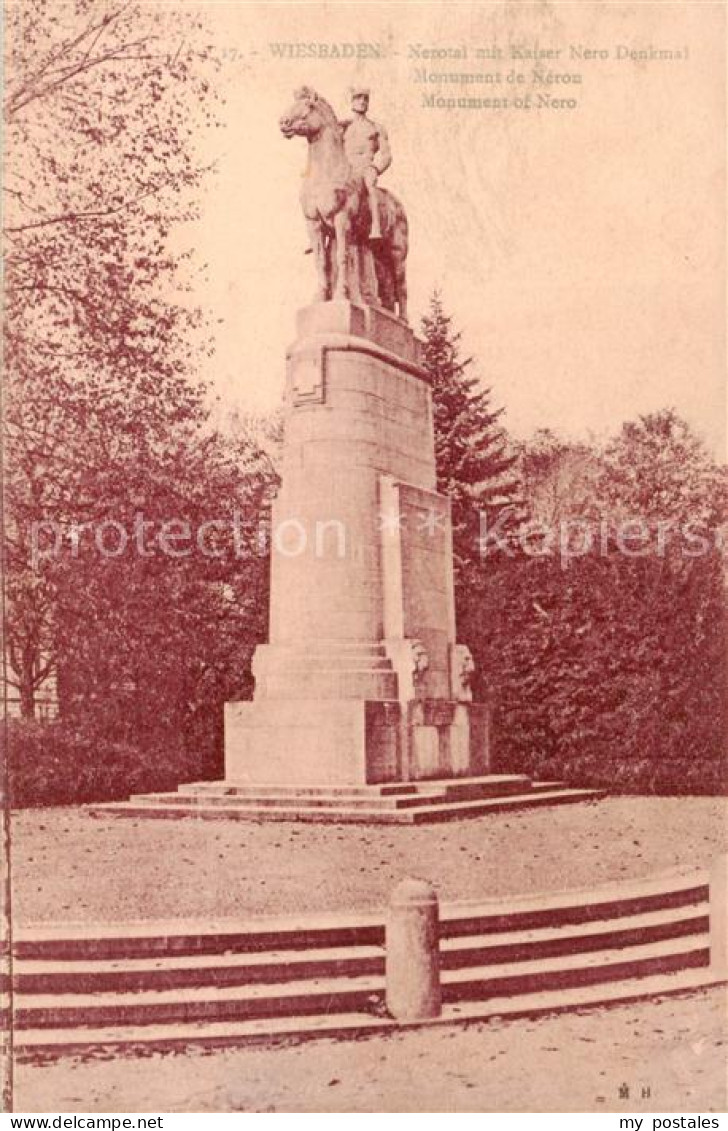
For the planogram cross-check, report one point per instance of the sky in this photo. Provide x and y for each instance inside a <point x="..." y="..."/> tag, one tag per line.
<point x="580" y="249"/>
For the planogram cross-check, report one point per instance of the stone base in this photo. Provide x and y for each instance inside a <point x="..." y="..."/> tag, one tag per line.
<point x="354" y="742"/>
<point x="396" y="803"/>
<point x="361" y="322"/>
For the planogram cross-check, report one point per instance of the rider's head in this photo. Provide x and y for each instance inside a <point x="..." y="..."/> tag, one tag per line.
<point x="359" y="99"/>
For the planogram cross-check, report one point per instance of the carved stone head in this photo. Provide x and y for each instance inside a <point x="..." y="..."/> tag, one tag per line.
<point x="359" y="99"/>
<point x="420" y="660"/>
<point x="462" y="670"/>
<point x="307" y="116"/>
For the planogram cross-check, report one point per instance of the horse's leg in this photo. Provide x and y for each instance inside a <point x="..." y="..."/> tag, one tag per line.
<point x="382" y="251"/>
<point x="329" y="265"/>
<point x="316" y="237"/>
<point x="400" y="287"/>
<point x="385" y="278"/>
<point x="368" y="282"/>
<point x="342" y="230"/>
<point x="398" y="249"/>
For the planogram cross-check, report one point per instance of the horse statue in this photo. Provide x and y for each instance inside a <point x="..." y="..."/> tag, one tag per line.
<point x="336" y="208"/>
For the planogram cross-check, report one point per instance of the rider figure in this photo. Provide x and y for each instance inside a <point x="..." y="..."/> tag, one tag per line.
<point x="367" y="147"/>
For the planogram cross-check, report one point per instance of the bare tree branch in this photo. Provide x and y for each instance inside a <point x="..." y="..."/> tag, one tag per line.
<point x="91" y="214"/>
<point x="30" y="89"/>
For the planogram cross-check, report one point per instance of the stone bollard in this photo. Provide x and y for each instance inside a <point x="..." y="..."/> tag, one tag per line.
<point x="413" y="952"/>
<point x="719" y="915"/>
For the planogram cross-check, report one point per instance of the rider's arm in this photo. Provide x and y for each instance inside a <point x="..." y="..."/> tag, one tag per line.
<point x="382" y="159"/>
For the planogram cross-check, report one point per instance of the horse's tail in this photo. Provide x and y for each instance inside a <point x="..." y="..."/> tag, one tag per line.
<point x="395" y="227"/>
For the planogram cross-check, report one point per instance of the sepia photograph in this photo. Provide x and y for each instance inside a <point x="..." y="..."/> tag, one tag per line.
<point x="364" y="513"/>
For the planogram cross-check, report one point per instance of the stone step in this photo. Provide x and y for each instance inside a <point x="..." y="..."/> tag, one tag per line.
<point x="454" y="809"/>
<point x="614" y="902"/>
<point x="274" y="799"/>
<point x="33" y="1044"/>
<point x="331" y="647"/>
<point x="233" y="811"/>
<point x="168" y="939"/>
<point x="572" y="938"/>
<point x="346" y="994"/>
<point x="386" y="804"/>
<point x="338" y="661"/>
<point x="165" y="938"/>
<point x="344" y="813"/>
<point x="132" y="974"/>
<point x="481" y="779"/>
<point x="478" y="790"/>
<point x="233" y="789"/>
<point x="566" y="971"/>
<point x="491" y="785"/>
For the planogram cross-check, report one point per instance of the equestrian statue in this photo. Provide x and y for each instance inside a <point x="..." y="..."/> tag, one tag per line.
<point x="358" y="231"/>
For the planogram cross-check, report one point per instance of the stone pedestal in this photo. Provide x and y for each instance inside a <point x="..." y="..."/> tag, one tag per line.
<point x="362" y="680"/>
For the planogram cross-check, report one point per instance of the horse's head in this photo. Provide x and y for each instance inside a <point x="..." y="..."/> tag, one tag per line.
<point x="308" y="115"/>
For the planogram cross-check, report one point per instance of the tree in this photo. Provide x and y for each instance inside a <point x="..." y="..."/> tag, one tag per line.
<point x="100" y="113"/>
<point x="169" y="601"/>
<point x="558" y="477"/>
<point x="149" y="629"/>
<point x="657" y="468"/>
<point x="609" y="668"/>
<point x="475" y="466"/>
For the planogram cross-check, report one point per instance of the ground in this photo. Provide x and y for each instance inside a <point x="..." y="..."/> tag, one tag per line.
<point x="674" y="1048"/>
<point x="67" y="866"/>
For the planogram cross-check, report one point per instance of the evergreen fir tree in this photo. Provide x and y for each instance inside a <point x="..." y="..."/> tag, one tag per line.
<point x="475" y="466"/>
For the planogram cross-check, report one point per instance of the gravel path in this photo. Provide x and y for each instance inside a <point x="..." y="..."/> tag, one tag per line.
<point x="69" y="866"/>
<point x="676" y="1048"/>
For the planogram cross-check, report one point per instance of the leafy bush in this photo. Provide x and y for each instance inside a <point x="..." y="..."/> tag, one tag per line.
<point x="610" y="673"/>
<point x="60" y="763"/>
